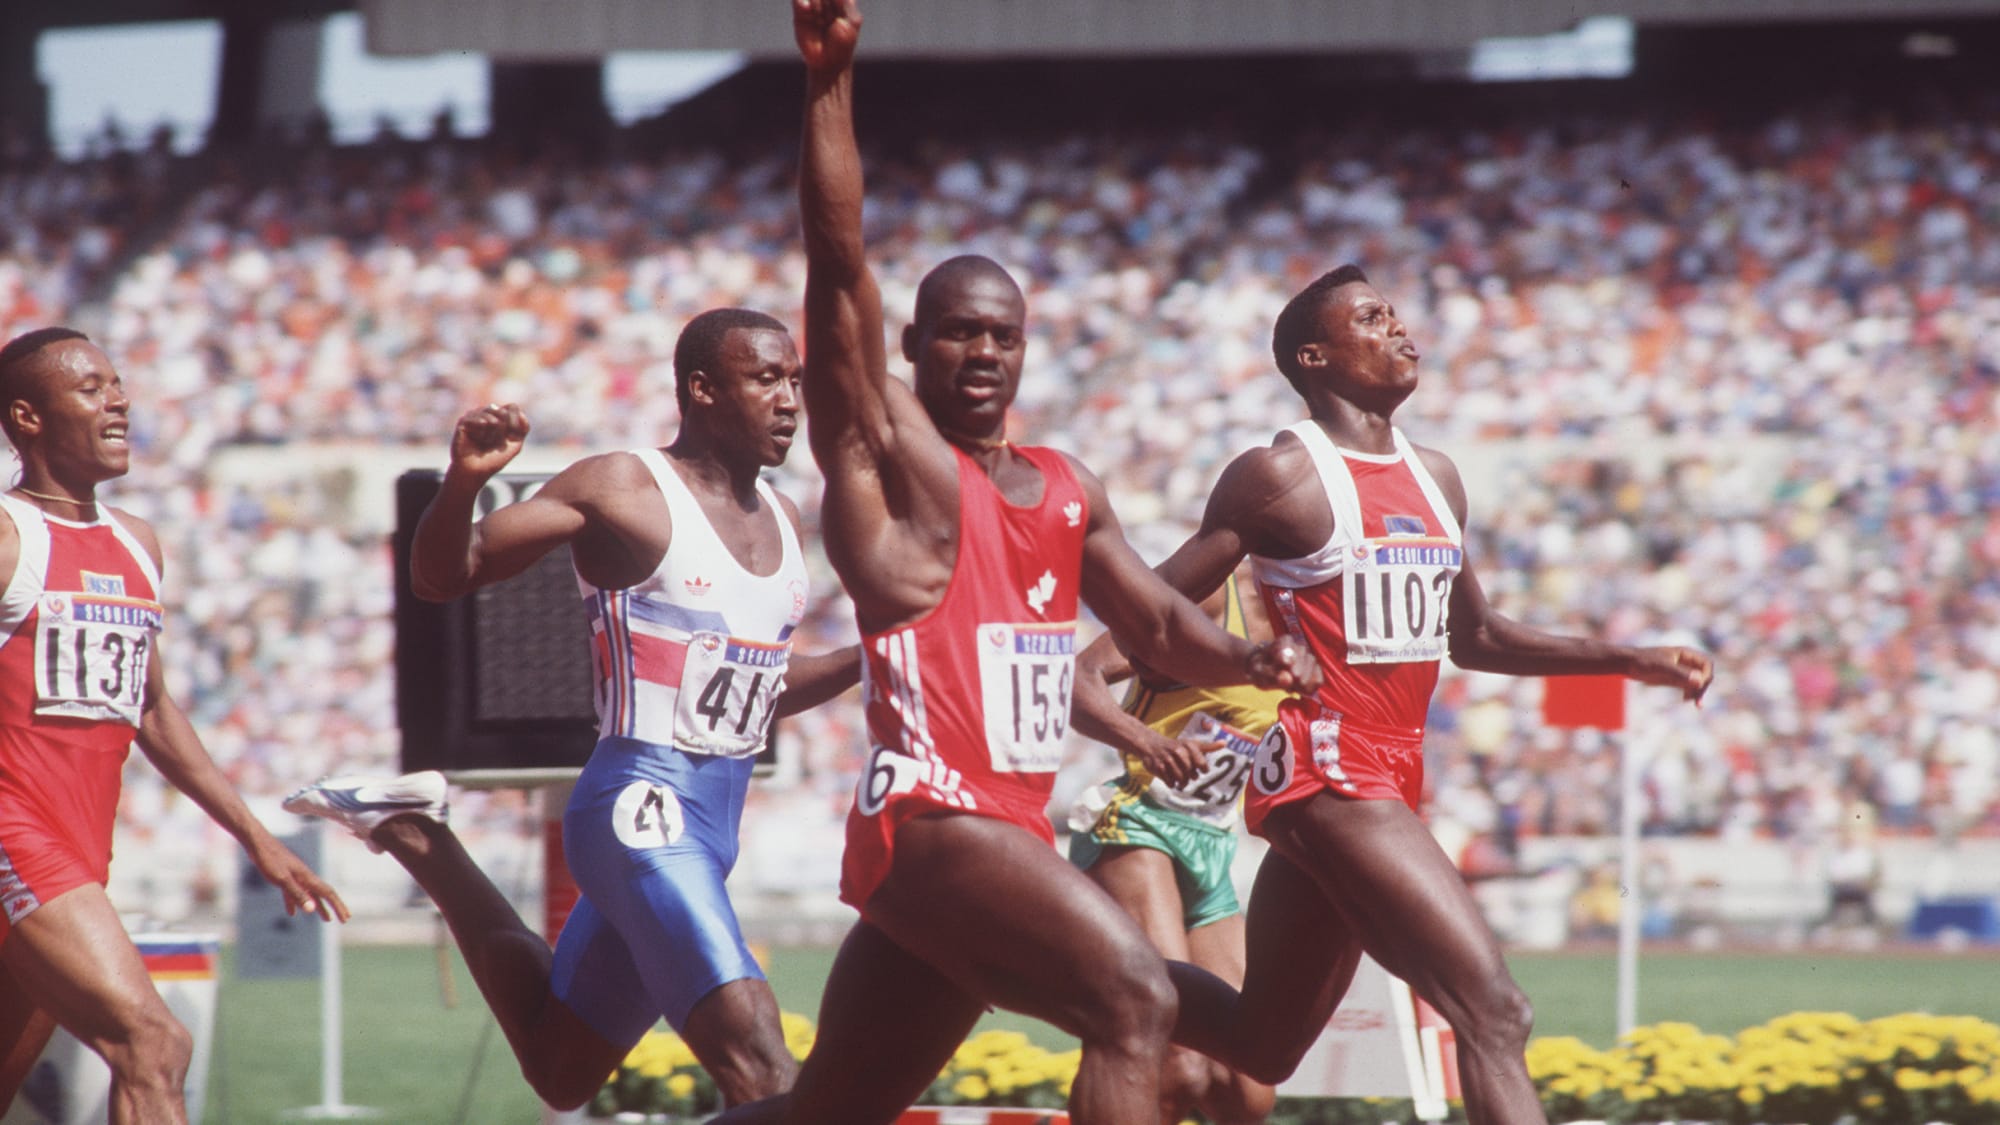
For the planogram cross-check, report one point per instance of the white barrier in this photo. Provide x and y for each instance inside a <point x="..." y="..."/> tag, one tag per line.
<point x="1383" y="1042"/>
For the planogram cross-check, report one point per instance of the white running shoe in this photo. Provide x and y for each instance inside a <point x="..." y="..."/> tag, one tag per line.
<point x="360" y="804"/>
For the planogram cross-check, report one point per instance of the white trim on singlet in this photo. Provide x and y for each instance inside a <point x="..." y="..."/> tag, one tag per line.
<point x="31" y="568"/>
<point x="683" y="508"/>
<point x="1330" y="462"/>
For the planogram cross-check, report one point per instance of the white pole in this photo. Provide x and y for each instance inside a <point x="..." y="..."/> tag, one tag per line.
<point x="1629" y="905"/>
<point x="332" y="1105"/>
<point x="329" y="1008"/>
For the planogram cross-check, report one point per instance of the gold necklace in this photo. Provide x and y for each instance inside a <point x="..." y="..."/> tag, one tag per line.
<point x="26" y="491"/>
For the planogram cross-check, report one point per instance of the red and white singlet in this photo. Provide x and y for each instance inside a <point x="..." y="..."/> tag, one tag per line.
<point x="80" y="615"/>
<point x="1372" y="603"/>
<point x="967" y="708"/>
<point x="694" y="656"/>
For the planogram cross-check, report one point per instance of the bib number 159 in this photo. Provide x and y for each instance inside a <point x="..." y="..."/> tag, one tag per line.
<point x="1025" y="676"/>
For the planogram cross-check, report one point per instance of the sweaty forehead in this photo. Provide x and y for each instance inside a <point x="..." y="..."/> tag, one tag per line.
<point x="1352" y="297"/>
<point x="66" y="361"/>
<point x="980" y="296"/>
<point x="758" y="348"/>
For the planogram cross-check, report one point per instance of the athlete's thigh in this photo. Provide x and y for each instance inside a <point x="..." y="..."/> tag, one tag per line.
<point x="1299" y="956"/>
<point x="888" y="1023"/>
<point x="1400" y="894"/>
<point x="74" y="959"/>
<point x="602" y="1007"/>
<point x="1218" y="947"/>
<point x="24" y="1031"/>
<point x="1141" y="881"/>
<point x="994" y="908"/>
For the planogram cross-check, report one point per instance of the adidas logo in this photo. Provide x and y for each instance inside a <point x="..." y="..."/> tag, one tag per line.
<point x="698" y="586"/>
<point x="1073" y="512"/>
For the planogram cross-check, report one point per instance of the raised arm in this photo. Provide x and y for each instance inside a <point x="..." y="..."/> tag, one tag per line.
<point x="847" y="373"/>
<point x="169" y="741"/>
<point x="1482" y="640"/>
<point x="891" y="480"/>
<point x="1161" y="628"/>
<point x="449" y="553"/>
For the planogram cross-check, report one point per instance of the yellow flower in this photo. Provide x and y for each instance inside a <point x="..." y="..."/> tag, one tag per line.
<point x="680" y="1085"/>
<point x="971" y="1087"/>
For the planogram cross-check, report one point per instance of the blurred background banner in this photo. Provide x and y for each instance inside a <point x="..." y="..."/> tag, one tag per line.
<point x="269" y="943"/>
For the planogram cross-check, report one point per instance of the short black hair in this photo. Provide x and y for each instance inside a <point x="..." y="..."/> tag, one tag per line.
<point x="1297" y="322"/>
<point x="930" y="291"/>
<point x="700" y="345"/>
<point x="15" y="360"/>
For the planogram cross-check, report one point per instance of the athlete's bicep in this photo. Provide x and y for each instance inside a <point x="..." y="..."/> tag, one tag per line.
<point x="510" y="539"/>
<point x="1117" y="584"/>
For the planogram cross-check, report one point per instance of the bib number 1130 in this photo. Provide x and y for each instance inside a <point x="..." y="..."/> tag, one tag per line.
<point x="91" y="657"/>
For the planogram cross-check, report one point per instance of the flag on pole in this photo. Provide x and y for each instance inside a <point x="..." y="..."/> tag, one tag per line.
<point x="1597" y="702"/>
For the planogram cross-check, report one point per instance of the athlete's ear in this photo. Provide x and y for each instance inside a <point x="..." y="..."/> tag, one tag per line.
<point x="22" y="417"/>
<point x="910" y="343"/>
<point x="701" y="388"/>
<point x="1311" y="355"/>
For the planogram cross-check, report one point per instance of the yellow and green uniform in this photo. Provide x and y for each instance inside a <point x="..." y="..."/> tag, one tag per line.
<point x="1194" y="824"/>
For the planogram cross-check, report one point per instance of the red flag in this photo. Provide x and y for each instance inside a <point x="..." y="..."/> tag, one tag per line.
<point x="1584" y="701"/>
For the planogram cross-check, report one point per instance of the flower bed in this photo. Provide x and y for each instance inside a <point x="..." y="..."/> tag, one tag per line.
<point x="1809" y="1068"/>
<point x="661" y="1079"/>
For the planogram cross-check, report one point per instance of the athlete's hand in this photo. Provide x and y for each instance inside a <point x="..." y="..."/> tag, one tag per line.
<point x="303" y="890"/>
<point x="1175" y="761"/>
<point x="1674" y="667"/>
<point x="1285" y="665"/>
<point x="827" y="31"/>
<point x="487" y="438"/>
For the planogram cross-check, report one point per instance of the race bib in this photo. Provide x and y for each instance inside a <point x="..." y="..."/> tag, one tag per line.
<point x="1211" y="794"/>
<point x="647" y="816"/>
<point x="729" y="689"/>
<point x="1396" y="595"/>
<point x="1025" y="675"/>
<point x="91" y="655"/>
<point x="1273" y="769"/>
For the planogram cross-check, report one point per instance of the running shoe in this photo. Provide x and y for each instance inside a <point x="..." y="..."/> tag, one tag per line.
<point x="360" y="804"/>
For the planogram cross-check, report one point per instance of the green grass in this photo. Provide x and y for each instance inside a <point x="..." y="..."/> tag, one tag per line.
<point x="409" y="1054"/>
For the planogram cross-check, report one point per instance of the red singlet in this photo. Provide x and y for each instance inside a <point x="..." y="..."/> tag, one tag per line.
<point x="80" y="616"/>
<point x="967" y="708"/>
<point x="1372" y="605"/>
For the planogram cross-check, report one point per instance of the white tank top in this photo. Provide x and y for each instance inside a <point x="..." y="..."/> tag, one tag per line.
<point x="694" y="656"/>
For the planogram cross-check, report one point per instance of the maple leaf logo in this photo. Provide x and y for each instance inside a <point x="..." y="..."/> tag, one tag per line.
<point x="1040" y="593"/>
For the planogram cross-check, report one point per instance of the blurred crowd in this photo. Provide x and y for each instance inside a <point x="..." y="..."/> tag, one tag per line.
<point x="1726" y="385"/>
